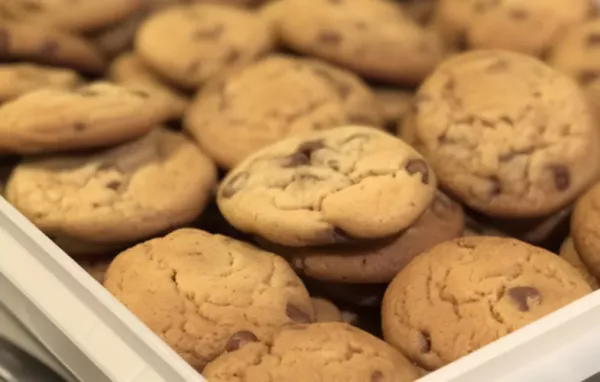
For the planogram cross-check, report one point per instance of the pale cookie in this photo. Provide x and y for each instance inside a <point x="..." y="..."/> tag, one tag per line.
<point x="96" y="268"/>
<point x="585" y="229"/>
<point x="526" y="26"/>
<point x="192" y="44"/>
<point x="18" y="79"/>
<point x="569" y="253"/>
<point x="325" y="310"/>
<point x="48" y="46"/>
<point x="328" y="187"/>
<point x="204" y="294"/>
<point x="95" y="115"/>
<point x="69" y="15"/>
<point x="273" y="99"/>
<point x="506" y="134"/>
<point x="128" y="193"/>
<point x="394" y="105"/>
<point x="317" y="352"/>
<point x="463" y="294"/>
<point x="379" y="261"/>
<point x="370" y="37"/>
<point x="129" y="69"/>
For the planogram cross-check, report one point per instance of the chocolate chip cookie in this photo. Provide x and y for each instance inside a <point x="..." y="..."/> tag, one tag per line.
<point x="317" y="352"/>
<point x="193" y="43"/>
<point x="95" y="115"/>
<point x="117" y="196"/>
<point x="328" y="187"/>
<point x="506" y="134"/>
<point x="272" y="99"/>
<point x="466" y="293"/>
<point x="373" y="38"/>
<point x="569" y="253"/>
<point x="18" y="79"/>
<point x="205" y="294"/>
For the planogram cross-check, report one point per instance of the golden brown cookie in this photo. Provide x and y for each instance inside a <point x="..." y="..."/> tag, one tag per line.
<point x="204" y="294"/>
<point x="569" y="253"/>
<point x="128" y="193"/>
<point x="18" y="79"/>
<point x="506" y="134"/>
<point x="273" y="99"/>
<point x="317" y="352"/>
<point x="466" y="293"/>
<point x="95" y="115"/>
<point x="192" y="44"/>
<point x="394" y="105"/>
<point x="373" y="38"/>
<point x="328" y="187"/>
<point x="325" y="310"/>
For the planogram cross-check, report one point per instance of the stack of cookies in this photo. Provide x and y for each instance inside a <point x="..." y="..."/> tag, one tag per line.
<point x="311" y="190"/>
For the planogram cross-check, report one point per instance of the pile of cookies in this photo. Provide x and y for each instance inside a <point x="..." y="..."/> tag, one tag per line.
<point x="312" y="190"/>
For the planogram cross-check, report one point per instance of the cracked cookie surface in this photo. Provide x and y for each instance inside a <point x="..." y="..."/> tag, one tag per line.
<point x="328" y="187"/>
<point x="18" y="79"/>
<point x="194" y="43"/>
<point x="317" y="352"/>
<point x="373" y="38"/>
<point x="569" y="253"/>
<point x="506" y="134"/>
<point x="466" y="293"/>
<point x="273" y="99"/>
<point x="95" y="115"/>
<point x="204" y="294"/>
<point x="123" y="194"/>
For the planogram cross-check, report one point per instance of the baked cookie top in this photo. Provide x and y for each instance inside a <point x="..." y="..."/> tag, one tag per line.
<point x="506" y="134"/>
<point x="18" y="79"/>
<point x="126" y="193"/>
<point x="204" y="294"/>
<point x="193" y="43"/>
<point x="328" y="187"/>
<point x="466" y="293"/>
<point x="273" y="99"/>
<point x="317" y="352"/>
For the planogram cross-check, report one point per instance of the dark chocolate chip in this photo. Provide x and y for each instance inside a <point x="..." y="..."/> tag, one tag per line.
<point x="518" y="14"/>
<point x="209" y="34"/>
<point x="593" y="39"/>
<point x="232" y="56"/>
<point x="234" y="185"/>
<point x="113" y="185"/>
<point x="79" y="126"/>
<point x="297" y="315"/>
<point x="522" y="295"/>
<point x="377" y="376"/>
<point x="562" y="177"/>
<point x="425" y="340"/>
<point x="49" y="48"/>
<point x="415" y="166"/>
<point x="302" y="155"/>
<point x="240" y="339"/>
<point x="4" y="41"/>
<point x="329" y="37"/>
<point x="462" y="43"/>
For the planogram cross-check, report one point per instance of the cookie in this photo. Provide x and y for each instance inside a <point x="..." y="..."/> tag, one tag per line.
<point x="328" y="187"/>
<point x="192" y="44"/>
<point x="569" y="253"/>
<point x="18" y="79"/>
<point x="74" y="16"/>
<point x="585" y="229"/>
<point x="128" y="193"/>
<point x="373" y="38"/>
<point x="271" y="100"/>
<point x="43" y="45"/>
<point x="129" y="69"/>
<point x="529" y="27"/>
<point x="203" y="294"/>
<point x="393" y="105"/>
<point x="463" y="294"/>
<point x="95" y="115"/>
<point x="317" y="352"/>
<point x="325" y="310"/>
<point x="96" y="268"/>
<point x="506" y="134"/>
<point x="378" y="262"/>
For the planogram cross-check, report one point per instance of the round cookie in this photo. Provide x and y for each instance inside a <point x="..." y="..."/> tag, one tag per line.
<point x="394" y="105"/>
<point x="95" y="115"/>
<point x="325" y="310"/>
<point x="463" y="294"/>
<point x="328" y="187"/>
<point x="373" y="38"/>
<point x="204" y="293"/>
<point x="317" y="352"/>
<point x="272" y="99"/>
<point x="18" y="79"/>
<point x="48" y="46"/>
<point x="142" y="188"/>
<point x="585" y="229"/>
<point x="569" y="253"/>
<point x="192" y="44"/>
<point x="506" y="134"/>
<point x="378" y="262"/>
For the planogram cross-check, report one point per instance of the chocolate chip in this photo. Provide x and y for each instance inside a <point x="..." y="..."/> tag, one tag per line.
<point x="4" y="41"/>
<point x="79" y="126"/>
<point x="210" y="34"/>
<point x="377" y="376"/>
<point x="232" y="56"/>
<point x="522" y="295"/>
<point x="425" y="340"/>
<point x="593" y="39"/>
<point x="587" y="76"/>
<point x="462" y="42"/>
<point x="49" y="48"/>
<point x="297" y="315"/>
<point x="302" y="155"/>
<point x="562" y="177"/>
<point x="234" y="185"/>
<point x="418" y="166"/>
<point x="113" y="185"/>
<point x="518" y="14"/>
<point x="240" y="339"/>
<point x="329" y="37"/>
